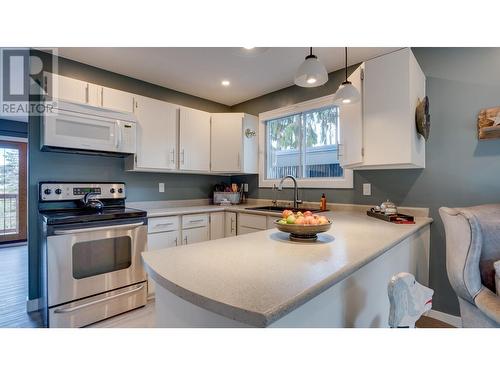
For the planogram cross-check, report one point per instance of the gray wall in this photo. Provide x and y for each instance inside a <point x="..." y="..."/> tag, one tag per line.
<point x="461" y="171"/>
<point x="45" y="166"/>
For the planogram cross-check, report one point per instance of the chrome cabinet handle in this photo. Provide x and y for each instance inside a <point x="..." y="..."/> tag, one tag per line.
<point x="196" y="221"/>
<point x="182" y="159"/>
<point x="176" y="244"/>
<point x="87" y="93"/>
<point x="185" y="240"/>
<point x="173" y="156"/>
<point x="85" y="305"/>
<point x="163" y="225"/>
<point x="232" y="225"/>
<point x="122" y="226"/>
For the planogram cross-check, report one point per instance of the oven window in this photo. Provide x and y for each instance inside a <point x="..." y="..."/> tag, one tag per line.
<point x="101" y="256"/>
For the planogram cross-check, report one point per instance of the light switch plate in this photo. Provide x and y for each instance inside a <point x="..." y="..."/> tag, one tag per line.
<point x="161" y="187"/>
<point x="367" y="189"/>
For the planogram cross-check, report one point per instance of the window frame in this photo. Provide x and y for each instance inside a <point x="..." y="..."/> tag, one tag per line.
<point x="345" y="182"/>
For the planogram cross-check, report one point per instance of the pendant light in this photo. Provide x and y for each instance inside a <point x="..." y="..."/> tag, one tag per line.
<point x="311" y="72"/>
<point x="346" y="93"/>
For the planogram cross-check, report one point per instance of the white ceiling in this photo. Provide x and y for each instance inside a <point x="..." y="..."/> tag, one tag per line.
<point x="199" y="71"/>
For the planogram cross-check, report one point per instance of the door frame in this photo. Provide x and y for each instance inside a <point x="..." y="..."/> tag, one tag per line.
<point x="22" y="145"/>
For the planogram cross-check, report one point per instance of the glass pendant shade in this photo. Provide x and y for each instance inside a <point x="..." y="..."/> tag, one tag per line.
<point x="346" y="94"/>
<point x="311" y="73"/>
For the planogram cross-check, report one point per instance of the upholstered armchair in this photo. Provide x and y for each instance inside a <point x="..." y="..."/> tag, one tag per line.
<point x="472" y="247"/>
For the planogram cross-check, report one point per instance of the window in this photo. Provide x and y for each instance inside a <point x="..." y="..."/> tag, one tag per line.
<point x="303" y="141"/>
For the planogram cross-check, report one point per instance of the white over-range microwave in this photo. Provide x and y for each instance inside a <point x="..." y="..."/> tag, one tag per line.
<point x="75" y="127"/>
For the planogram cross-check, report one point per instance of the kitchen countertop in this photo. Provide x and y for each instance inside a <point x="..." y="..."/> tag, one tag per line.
<point x="172" y="208"/>
<point x="259" y="277"/>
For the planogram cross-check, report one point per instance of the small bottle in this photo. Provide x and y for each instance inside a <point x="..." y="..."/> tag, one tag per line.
<point x="322" y="203"/>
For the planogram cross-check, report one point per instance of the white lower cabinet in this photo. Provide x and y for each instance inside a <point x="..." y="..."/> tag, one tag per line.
<point x="195" y="228"/>
<point x="217" y="229"/>
<point x="163" y="232"/>
<point x="230" y="224"/>
<point x="249" y="223"/>
<point x="194" y="235"/>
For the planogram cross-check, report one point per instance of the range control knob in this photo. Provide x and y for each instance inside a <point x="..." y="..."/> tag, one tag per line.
<point x="58" y="191"/>
<point x="47" y="191"/>
<point x="120" y="190"/>
<point x="112" y="190"/>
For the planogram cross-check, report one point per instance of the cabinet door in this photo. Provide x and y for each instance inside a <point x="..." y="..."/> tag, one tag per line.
<point x="227" y="142"/>
<point x="194" y="140"/>
<point x="65" y="88"/>
<point x="157" y="241"/>
<point x="351" y="125"/>
<point x="117" y="100"/>
<point x="230" y="224"/>
<point x="194" y="235"/>
<point x="387" y="118"/>
<point x="216" y="225"/>
<point x="156" y="134"/>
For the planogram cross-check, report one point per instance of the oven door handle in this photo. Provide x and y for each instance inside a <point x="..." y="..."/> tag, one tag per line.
<point x="93" y="229"/>
<point x="85" y="305"/>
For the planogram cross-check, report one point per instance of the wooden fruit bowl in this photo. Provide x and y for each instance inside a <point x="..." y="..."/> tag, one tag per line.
<point x="303" y="232"/>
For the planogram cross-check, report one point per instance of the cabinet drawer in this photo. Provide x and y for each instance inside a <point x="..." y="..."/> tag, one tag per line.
<point x="194" y="221"/>
<point x="163" y="224"/>
<point x="246" y="230"/>
<point x="252" y="221"/>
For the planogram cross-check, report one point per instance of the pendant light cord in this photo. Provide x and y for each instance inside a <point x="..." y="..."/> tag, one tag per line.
<point x="346" y="64"/>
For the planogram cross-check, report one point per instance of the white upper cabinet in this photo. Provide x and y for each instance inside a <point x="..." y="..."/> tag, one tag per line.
<point x="76" y="91"/>
<point x="194" y="140"/>
<point x="234" y="143"/>
<point x="116" y="100"/>
<point x="351" y="126"/>
<point x="156" y="134"/>
<point x="65" y="88"/>
<point x="392" y="85"/>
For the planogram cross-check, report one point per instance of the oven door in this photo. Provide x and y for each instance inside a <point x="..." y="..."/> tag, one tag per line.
<point x="88" y="259"/>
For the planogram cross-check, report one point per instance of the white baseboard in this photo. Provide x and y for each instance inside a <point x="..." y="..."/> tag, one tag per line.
<point x="453" y="320"/>
<point x="33" y="305"/>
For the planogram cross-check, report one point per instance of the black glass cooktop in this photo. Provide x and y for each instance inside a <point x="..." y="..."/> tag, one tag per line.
<point x="68" y="216"/>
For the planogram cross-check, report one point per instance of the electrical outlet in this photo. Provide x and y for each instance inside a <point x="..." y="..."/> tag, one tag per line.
<point x="367" y="189"/>
<point x="161" y="187"/>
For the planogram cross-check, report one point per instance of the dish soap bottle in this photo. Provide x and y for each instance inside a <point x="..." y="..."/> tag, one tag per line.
<point x="322" y="203"/>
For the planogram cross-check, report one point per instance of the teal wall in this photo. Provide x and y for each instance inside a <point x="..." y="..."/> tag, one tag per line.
<point x="73" y="167"/>
<point x="460" y="170"/>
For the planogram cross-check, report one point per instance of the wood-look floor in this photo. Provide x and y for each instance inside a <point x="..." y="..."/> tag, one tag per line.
<point x="14" y="289"/>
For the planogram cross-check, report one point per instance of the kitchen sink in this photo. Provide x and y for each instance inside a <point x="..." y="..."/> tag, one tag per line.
<point x="281" y="208"/>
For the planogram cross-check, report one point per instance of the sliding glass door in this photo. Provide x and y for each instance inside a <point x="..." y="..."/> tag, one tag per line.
<point x="13" y="189"/>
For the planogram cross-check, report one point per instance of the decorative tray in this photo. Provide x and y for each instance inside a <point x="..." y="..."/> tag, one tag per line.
<point x="396" y="218"/>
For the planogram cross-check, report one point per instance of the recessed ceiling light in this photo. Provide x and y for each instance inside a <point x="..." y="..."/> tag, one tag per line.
<point x="248" y="47"/>
<point x="225" y="82"/>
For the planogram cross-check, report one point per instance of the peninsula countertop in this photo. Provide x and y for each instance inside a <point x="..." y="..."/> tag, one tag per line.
<point x="259" y="277"/>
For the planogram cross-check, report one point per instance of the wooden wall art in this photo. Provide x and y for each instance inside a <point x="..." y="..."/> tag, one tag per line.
<point x="488" y="123"/>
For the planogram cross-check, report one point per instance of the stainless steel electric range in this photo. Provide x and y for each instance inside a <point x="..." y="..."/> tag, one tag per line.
<point x="91" y="248"/>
